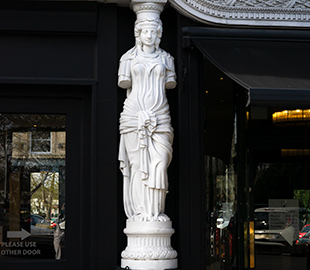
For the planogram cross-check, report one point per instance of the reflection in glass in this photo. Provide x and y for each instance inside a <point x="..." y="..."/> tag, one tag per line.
<point x="221" y="207"/>
<point x="282" y="215"/>
<point x="32" y="186"/>
<point x="40" y="142"/>
<point x="221" y="203"/>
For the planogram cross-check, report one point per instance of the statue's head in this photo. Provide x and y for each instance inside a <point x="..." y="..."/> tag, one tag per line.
<point x="154" y="25"/>
<point x="148" y="17"/>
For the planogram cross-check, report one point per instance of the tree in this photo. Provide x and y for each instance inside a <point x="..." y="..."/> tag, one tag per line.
<point x="44" y="192"/>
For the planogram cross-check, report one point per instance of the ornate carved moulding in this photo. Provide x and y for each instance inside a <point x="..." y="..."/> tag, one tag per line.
<point x="282" y="13"/>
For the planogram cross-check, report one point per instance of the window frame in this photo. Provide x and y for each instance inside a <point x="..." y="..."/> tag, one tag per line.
<point x="42" y="152"/>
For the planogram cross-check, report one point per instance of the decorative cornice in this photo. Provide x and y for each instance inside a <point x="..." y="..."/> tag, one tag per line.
<point x="284" y="13"/>
<point x="139" y="6"/>
<point x="150" y="1"/>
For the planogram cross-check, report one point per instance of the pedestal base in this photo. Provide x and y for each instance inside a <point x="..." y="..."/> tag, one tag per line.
<point x="150" y="264"/>
<point x="149" y="246"/>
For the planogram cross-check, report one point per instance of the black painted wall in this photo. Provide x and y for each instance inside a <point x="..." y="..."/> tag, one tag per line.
<point x="77" y="45"/>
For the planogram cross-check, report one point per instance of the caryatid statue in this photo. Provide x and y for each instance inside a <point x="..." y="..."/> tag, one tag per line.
<point x="145" y="151"/>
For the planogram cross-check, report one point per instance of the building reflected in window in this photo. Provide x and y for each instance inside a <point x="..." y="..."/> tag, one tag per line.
<point x="32" y="186"/>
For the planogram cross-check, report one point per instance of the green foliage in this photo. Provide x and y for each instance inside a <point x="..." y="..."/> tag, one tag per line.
<point x="44" y="192"/>
<point x="304" y="197"/>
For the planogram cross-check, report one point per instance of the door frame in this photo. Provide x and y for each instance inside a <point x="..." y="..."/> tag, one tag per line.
<point x="75" y="102"/>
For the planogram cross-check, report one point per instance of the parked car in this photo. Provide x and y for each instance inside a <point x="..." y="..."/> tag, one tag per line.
<point x="40" y="226"/>
<point x="304" y="240"/>
<point x="304" y="230"/>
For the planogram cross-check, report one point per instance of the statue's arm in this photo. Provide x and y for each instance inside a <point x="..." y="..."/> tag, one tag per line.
<point x="170" y="75"/>
<point x="124" y="77"/>
<point x="170" y="80"/>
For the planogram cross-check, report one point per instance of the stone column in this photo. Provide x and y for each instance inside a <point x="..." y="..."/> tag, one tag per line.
<point x="145" y="152"/>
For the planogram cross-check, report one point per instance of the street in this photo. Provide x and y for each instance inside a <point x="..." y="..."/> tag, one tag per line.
<point x="280" y="262"/>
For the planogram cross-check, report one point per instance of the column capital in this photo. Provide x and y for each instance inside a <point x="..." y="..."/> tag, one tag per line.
<point x="149" y="5"/>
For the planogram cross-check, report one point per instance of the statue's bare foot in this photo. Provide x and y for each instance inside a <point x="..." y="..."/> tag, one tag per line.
<point x="139" y="217"/>
<point x="142" y="218"/>
<point x="163" y="218"/>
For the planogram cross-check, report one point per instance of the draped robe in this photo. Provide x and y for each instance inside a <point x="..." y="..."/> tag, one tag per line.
<point x="145" y="149"/>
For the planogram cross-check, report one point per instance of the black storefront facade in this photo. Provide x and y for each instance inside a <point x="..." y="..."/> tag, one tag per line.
<point x="59" y="63"/>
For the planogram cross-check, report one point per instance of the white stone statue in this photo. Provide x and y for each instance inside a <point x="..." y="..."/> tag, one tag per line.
<point x="146" y="134"/>
<point x="146" y="71"/>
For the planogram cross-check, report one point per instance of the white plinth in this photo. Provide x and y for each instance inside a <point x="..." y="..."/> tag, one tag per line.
<point x="150" y="264"/>
<point x="149" y="246"/>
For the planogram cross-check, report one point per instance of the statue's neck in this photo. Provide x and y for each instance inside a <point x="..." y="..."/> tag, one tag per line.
<point x="148" y="49"/>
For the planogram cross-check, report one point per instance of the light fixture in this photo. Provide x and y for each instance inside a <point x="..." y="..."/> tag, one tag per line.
<point x="295" y="152"/>
<point x="292" y="117"/>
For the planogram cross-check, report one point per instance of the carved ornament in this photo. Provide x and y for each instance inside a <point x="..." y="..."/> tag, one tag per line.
<point x="282" y="13"/>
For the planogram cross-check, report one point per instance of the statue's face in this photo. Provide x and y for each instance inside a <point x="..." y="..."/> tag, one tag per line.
<point x="148" y="35"/>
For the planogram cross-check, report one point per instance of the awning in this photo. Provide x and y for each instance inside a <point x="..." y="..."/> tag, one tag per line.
<point x="272" y="64"/>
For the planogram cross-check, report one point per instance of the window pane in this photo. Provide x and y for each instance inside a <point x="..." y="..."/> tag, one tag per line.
<point x="279" y="171"/>
<point x="40" y="142"/>
<point x="32" y="186"/>
<point x="41" y="135"/>
<point x="40" y="146"/>
<point x="282" y="214"/>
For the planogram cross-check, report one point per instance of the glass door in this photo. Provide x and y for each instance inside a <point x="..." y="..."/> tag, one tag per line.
<point x="32" y="186"/>
<point x="279" y="173"/>
<point x="44" y="161"/>
<point x="221" y="170"/>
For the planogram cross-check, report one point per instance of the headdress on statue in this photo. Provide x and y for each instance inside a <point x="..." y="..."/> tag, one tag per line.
<point x="148" y="11"/>
<point x="148" y="14"/>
